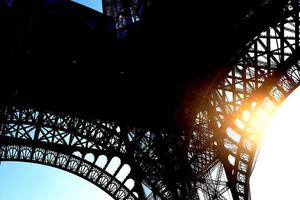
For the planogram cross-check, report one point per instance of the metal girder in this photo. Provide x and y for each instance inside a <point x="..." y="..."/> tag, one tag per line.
<point x="125" y="13"/>
<point x="85" y="148"/>
<point x="214" y="162"/>
<point x="61" y="134"/>
<point x="242" y="101"/>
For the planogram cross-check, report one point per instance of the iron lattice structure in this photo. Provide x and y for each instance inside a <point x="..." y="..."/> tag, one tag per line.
<point x="211" y="157"/>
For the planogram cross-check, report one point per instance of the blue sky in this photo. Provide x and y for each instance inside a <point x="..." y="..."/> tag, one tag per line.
<point x="94" y="4"/>
<point x="27" y="181"/>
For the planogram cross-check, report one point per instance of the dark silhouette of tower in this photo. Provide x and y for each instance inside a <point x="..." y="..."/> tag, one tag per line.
<point x="176" y="91"/>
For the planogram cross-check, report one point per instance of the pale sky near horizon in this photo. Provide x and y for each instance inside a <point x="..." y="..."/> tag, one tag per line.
<point x="28" y="181"/>
<point x="276" y="174"/>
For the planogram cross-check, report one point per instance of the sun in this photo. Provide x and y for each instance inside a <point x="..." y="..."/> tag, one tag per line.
<point x="276" y="174"/>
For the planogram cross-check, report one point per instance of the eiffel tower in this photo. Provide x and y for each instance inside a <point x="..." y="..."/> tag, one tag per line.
<point x="177" y="92"/>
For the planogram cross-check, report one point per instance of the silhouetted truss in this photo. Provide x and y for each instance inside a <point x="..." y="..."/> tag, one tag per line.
<point x="262" y="77"/>
<point x="212" y="158"/>
<point x="88" y="149"/>
<point x="125" y="12"/>
<point x="84" y="148"/>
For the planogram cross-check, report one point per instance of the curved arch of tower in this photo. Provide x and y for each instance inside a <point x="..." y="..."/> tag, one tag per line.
<point x="205" y="152"/>
<point x="262" y="76"/>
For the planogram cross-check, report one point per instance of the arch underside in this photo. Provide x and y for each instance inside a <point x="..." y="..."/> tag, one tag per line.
<point x="69" y="163"/>
<point x="242" y="102"/>
<point x="223" y="142"/>
<point x="30" y="129"/>
<point x="81" y="147"/>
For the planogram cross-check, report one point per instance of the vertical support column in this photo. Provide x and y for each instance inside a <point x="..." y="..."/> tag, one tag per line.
<point x="135" y="170"/>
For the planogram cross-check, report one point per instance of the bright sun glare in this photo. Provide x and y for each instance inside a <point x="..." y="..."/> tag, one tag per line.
<point x="276" y="173"/>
